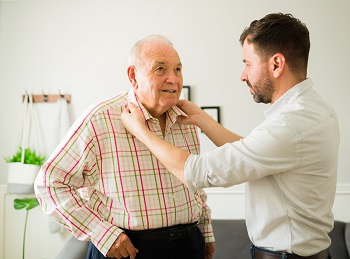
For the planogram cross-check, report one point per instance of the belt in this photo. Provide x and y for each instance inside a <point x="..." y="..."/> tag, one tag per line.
<point x="260" y="254"/>
<point x="168" y="233"/>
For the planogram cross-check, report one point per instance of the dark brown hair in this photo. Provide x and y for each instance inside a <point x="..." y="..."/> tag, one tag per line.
<point x="280" y="33"/>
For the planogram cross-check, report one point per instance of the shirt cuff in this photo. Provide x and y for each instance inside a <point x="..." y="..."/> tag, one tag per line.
<point x="207" y="232"/>
<point x="104" y="236"/>
<point x="195" y="172"/>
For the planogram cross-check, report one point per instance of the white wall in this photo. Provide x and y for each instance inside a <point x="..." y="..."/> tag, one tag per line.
<point x="80" y="47"/>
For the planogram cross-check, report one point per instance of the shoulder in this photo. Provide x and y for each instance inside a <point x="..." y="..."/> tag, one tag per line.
<point x="115" y="104"/>
<point x="306" y="112"/>
<point x="107" y="108"/>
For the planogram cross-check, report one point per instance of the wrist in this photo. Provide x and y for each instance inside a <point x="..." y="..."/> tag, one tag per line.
<point x="144" y="134"/>
<point x="201" y="118"/>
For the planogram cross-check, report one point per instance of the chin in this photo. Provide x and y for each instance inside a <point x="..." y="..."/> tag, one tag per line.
<point x="169" y="103"/>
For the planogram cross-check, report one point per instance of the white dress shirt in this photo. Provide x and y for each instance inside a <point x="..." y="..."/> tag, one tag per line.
<point x="289" y="163"/>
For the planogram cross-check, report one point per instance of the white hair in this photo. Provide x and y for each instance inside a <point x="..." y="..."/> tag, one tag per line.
<point x="136" y="50"/>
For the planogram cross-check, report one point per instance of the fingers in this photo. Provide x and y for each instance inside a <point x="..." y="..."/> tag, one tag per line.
<point x="131" y="106"/>
<point x="181" y="119"/>
<point x="128" y="247"/>
<point x="180" y="102"/>
<point x="132" y="252"/>
<point x="122" y="248"/>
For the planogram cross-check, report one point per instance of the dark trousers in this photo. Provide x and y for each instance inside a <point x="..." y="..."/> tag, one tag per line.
<point x="189" y="247"/>
<point x="260" y="253"/>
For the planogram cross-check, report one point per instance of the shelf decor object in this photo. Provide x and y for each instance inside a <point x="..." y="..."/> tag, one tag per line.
<point x="25" y="163"/>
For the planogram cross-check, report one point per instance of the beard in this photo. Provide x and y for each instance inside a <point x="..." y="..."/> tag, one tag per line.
<point x="263" y="89"/>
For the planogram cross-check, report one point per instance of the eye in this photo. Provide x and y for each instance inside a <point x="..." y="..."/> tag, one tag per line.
<point x="160" y="70"/>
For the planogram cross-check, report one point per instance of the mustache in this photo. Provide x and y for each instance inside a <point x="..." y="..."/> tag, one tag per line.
<point x="248" y="83"/>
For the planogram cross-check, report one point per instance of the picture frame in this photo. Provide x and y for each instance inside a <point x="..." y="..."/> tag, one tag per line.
<point x="186" y="93"/>
<point x="213" y="111"/>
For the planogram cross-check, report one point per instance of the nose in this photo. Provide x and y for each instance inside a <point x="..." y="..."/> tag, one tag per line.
<point x="173" y="77"/>
<point x="244" y="76"/>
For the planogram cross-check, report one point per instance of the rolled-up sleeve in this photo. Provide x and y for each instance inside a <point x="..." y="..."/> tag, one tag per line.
<point x="196" y="172"/>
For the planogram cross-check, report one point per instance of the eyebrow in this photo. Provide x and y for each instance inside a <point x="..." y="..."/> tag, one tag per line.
<point x="157" y="63"/>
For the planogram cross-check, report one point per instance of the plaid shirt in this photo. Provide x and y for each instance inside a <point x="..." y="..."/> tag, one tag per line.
<point x="124" y="184"/>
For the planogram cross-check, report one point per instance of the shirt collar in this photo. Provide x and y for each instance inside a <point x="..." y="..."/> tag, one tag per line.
<point x="172" y="113"/>
<point x="289" y="96"/>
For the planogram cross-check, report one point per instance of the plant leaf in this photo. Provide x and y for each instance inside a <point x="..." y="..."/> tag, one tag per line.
<point x="27" y="203"/>
<point x="30" y="157"/>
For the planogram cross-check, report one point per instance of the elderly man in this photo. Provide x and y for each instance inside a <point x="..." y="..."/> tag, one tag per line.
<point x="134" y="206"/>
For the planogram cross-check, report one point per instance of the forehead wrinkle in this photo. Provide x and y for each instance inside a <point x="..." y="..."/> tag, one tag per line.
<point x="163" y="62"/>
<point x="162" y="56"/>
<point x="157" y="63"/>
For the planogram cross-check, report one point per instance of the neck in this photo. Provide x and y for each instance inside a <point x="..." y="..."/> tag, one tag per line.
<point x="284" y="84"/>
<point x="162" y="122"/>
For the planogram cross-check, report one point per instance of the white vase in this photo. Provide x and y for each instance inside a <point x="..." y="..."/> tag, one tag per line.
<point x="21" y="177"/>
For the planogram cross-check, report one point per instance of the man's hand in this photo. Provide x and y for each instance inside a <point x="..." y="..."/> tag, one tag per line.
<point x="122" y="247"/>
<point x="133" y="120"/>
<point x="209" y="250"/>
<point x="192" y="111"/>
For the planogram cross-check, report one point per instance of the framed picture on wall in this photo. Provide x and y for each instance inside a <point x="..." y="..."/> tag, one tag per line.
<point x="213" y="111"/>
<point x="186" y="93"/>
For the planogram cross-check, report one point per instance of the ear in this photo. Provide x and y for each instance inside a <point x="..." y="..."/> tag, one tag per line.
<point x="132" y="76"/>
<point x="278" y="64"/>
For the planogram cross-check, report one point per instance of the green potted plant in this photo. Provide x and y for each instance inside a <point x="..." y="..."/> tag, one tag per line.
<point x="30" y="157"/>
<point x="23" y="167"/>
<point x="28" y="204"/>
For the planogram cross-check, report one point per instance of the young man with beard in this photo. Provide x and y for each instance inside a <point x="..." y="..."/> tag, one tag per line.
<point x="288" y="162"/>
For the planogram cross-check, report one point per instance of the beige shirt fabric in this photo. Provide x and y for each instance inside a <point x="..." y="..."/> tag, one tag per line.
<point x="289" y="162"/>
<point x="101" y="178"/>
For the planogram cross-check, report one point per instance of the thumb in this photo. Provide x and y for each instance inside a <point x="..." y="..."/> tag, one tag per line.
<point x="180" y="103"/>
<point x="182" y="120"/>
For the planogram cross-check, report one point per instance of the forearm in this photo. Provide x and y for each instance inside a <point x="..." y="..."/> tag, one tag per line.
<point x="173" y="158"/>
<point x="66" y="206"/>
<point x="215" y="131"/>
<point x="73" y="213"/>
